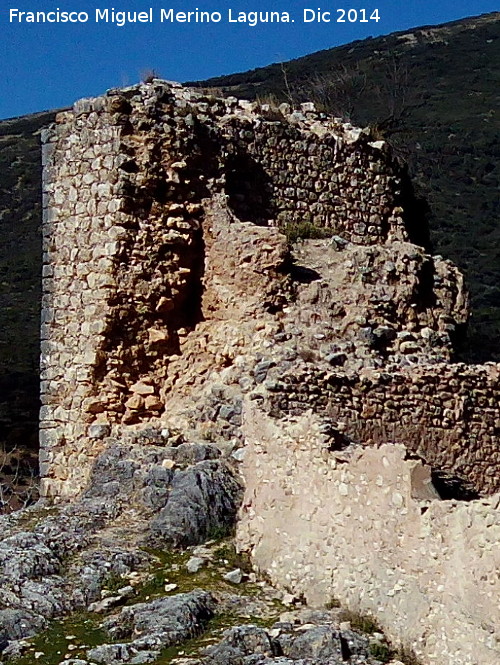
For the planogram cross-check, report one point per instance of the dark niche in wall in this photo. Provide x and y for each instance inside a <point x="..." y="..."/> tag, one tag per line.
<point x="249" y="189"/>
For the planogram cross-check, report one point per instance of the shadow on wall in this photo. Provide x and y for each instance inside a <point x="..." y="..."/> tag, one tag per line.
<point x="417" y="214"/>
<point x="451" y="487"/>
<point x="249" y="190"/>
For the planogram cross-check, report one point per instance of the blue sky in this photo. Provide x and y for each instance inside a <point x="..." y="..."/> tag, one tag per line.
<point x="50" y="65"/>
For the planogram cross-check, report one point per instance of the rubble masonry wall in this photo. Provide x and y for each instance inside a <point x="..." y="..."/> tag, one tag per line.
<point x="447" y="414"/>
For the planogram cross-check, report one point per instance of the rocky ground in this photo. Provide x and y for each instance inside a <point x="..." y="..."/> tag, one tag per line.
<point x="142" y="569"/>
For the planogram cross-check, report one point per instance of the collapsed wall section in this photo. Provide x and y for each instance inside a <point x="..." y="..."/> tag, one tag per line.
<point x="136" y="186"/>
<point x="366" y="528"/>
<point x="447" y="414"/>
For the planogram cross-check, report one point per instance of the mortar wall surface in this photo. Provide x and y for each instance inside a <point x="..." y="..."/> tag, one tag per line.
<point x="367" y="530"/>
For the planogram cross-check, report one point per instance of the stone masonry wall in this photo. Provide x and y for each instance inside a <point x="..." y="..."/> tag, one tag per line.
<point x="125" y="180"/>
<point x="130" y="181"/>
<point x="366" y="528"/>
<point x="82" y="206"/>
<point x="276" y="172"/>
<point x="447" y="414"/>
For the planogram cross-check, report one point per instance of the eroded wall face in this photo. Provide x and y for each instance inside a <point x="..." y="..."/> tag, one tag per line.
<point x="366" y="528"/>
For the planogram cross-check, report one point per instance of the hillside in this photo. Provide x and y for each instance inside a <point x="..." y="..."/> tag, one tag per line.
<point x="434" y="93"/>
<point x="20" y="284"/>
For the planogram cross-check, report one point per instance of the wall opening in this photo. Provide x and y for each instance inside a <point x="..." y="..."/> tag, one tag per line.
<point x="249" y="190"/>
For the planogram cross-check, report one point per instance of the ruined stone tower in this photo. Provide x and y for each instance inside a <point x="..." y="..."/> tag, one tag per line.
<point x="175" y="309"/>
<point x="131" y="259"/>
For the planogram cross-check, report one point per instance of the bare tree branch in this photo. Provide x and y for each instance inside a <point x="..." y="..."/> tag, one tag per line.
<point x="18" y="480"/>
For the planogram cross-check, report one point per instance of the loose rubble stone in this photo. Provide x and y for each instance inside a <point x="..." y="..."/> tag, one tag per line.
<point x="194" y="564"/>
<point x="234" y="576"/>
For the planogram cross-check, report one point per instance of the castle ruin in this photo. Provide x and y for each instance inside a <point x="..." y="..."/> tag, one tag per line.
<point x="173" y="306"/>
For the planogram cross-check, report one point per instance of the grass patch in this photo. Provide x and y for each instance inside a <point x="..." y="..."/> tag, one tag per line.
<point x="381" y="652"/>
<point x="407" y="656"/>
<point x="306" y="231"/>
<point x="170" y="568"/>
<point x="362" y="622"/>
<point x="220" y="532"/>
<point x="333" y="604"/>
<point x="226" y="554"/>
<point x="114" y="583"/>
<point x="80" y="629"/>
